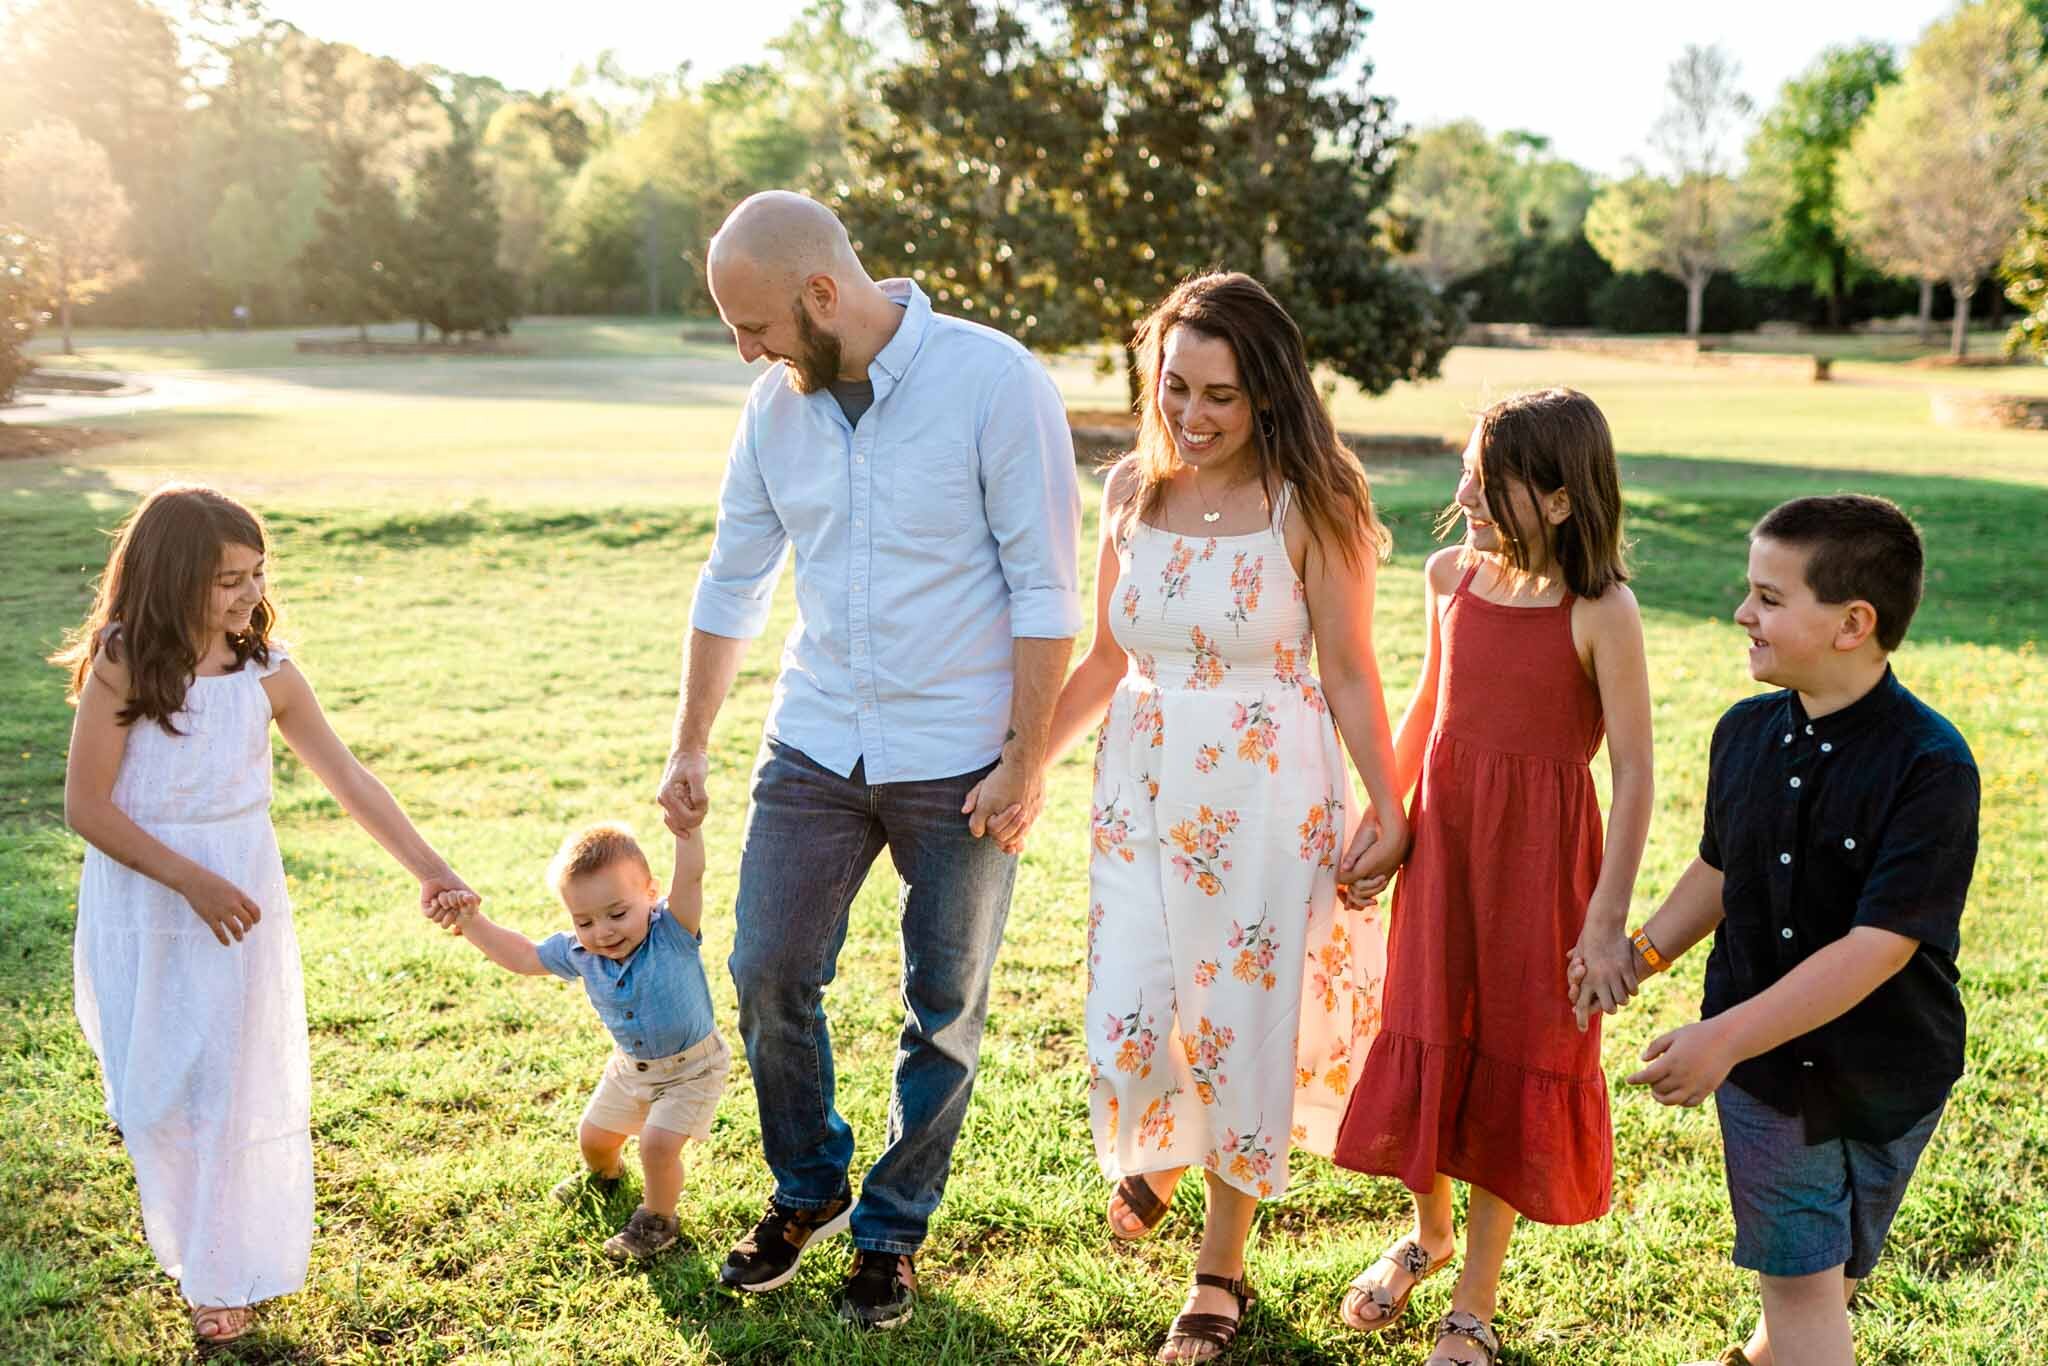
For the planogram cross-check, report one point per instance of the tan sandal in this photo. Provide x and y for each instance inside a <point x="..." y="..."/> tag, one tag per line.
<point x="1144" y="1202"/>
<point x="219" y="1325"/>
<point x="1215" y="1330"/>
<point x="1407" y="1255"/>
<point x="1476" y="1331"/>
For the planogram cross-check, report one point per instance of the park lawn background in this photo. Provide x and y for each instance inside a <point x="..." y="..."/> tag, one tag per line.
<point x="488" y="588"/>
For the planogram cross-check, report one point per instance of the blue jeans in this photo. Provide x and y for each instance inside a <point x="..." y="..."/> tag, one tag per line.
<point x="811" y="838"/>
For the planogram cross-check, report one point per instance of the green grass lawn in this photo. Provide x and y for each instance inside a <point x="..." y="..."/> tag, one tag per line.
<point x="488" y="584"/>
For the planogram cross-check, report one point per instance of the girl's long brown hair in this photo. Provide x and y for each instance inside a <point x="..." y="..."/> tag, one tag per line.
<point x="1553" y="439"/>
<point x="150" y="610"/>
<point x="1293" y="439"/>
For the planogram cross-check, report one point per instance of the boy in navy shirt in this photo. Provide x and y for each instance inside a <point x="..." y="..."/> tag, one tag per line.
<point x="1840" y="836"/>
<point x="637" y="957"/>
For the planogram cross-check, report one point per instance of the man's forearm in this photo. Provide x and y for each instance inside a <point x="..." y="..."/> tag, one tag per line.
<point x="1038" y="668"/>
<point x="710" y="664"/>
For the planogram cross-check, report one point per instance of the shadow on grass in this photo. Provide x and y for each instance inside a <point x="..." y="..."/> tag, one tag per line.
<point x="616" y="529"/>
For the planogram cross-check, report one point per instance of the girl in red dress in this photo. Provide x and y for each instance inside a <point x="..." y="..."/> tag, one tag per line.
<point x="1485" y="1069"/>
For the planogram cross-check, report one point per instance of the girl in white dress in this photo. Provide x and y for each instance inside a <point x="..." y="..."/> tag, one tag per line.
<point x="185" y="963"/>
<point x="1232" y="991"/>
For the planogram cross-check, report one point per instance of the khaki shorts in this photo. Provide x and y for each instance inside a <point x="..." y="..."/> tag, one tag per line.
<point x="678" y="1093"/>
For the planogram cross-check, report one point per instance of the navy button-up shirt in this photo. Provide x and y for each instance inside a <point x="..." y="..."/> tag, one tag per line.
<point x="1865" y="816"/>
<point x="656" y="1002"/>
<point x="927" y="536"/>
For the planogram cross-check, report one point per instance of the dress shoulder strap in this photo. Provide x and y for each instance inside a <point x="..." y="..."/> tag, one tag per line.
<point x="1280" y="507"/>
<point x="1465" y="584"/>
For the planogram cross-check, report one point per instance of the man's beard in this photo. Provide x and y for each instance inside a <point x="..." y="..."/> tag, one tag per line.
<point x="816" y="362"/>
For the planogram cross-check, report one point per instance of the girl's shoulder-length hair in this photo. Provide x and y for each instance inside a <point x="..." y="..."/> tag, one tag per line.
<point x="151" y="605"/>
<point x="1293" y="440"/>
<point x="1552" y="439"/>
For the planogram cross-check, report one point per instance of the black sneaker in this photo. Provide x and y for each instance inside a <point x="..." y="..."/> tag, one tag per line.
<point x="882" y="1291"/>
<point x="766" y="1258"/>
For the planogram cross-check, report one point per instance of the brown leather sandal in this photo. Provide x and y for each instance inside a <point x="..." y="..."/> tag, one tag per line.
<point x="1476" y="1331"/>
<point x="1214" y="1329"/>
<point x="1407" y="1255"/>
<point x="1140" y="1199"/>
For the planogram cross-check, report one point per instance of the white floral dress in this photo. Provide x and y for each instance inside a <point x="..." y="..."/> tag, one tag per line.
<point x="1230" y="990"/>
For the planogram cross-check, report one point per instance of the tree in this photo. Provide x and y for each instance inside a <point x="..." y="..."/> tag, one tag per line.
<point x="1688" y="222"/>
<point x="451" y="276"/>
<point x="1447" y="215"/>
<point x="1052" y="170"/>
<point x="1791" y="174"/>
<point x="349" y="270"/>
<point x="255" y="245"/>
<point x="61" y="190"/>
<point x="2025" y="272"/>
<point x="20" y="267"/>
<point x="1935" y="180"/>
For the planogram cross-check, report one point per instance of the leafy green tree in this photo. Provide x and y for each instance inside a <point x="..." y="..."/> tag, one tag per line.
<point x="1053" y="170"/>
<point x="1935" y="179"/>
<point x="21" y="266"/>
<point x="350" y="271"/>
<point x="451" y="277"/>
<point x="60" y="188"/>
<point x="253" y="245"/>
<point x="2025" y="273"/>
<point x="1791" y="172"/>
<point x="1447" y="214"/>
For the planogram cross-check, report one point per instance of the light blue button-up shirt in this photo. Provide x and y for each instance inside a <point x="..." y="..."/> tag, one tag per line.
<point x="927" y="538"/>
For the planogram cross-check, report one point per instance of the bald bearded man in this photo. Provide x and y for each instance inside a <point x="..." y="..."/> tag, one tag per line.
<point x="922" y="470"/>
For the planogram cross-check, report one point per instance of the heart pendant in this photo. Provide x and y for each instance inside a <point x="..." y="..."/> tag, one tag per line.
<point x="1212" y="516"/>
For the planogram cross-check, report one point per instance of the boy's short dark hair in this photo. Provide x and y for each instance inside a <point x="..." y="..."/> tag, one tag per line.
<point x="591" y="850"/>
<point x="1857" y="547"/>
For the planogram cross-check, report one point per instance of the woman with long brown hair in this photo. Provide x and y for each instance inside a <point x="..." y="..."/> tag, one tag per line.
<point x="1231" y="987"/>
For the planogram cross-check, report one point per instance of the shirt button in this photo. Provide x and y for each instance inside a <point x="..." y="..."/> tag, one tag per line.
<point x="1785" y="933"/>
<point x="1807" y="1063"/>
<point x="640" y="1065"/>
<point x="1795" y="782"/>
<point x="1788" y="739"/>
<point x="1784" y="858"/>
<point x="629" y="1014"/>
<point x="1848" y="844"/>
<point x="1826" y="747"/>
<point x="1809" y="730"/>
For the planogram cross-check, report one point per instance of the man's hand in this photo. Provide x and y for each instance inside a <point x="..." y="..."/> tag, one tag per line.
<point x="684" y="800"/>
<point x="1600" y="971"/>
<point x="1005" y="804"/>
<point x="1687" y="1065"/>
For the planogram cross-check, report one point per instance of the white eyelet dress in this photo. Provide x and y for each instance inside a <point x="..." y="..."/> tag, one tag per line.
<point x="1231" y="994"/>
<point x="202" y="1049"/>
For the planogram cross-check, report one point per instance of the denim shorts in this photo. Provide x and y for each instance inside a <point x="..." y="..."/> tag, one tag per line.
<point x="1800" y="1207"/>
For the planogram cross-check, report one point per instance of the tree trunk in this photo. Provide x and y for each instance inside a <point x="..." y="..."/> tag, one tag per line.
<point x="363" y="333"/>
<point x="1959" y="330"/>
<point x="1926" y="311"/>
<point x="1695" y="303"/>
<point x="1837" y="290"/>
<point x="64" y="311"/>
<point x="652" y="251"/>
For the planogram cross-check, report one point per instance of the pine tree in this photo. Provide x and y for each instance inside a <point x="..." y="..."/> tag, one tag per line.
<point x="350" y="269"/>
<point x="452" y="279"/>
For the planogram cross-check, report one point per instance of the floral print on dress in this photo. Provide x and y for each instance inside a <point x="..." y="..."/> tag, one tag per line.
<point x="1174" y="576"/>
<point x="1247" y="1157"/>
<point x="1256" y="946"/>
<point x="1210" y="665"/>
<point x="1245" y="582"/>
<point x="1203" y="842"/>
<point x="1111" y="829"/>
<point x="1319" y="832"/>
<point x="1147" y="720"/>
<point x="1205" y="1050"/>
<point x="1259" y="734"/>
<point x="1135" y="1039"/>
<point x="1155" y="1126"/>
<point x="1131" y="602"/>
<point x="1290" y="666"/>
<point x="1207" y="757"/>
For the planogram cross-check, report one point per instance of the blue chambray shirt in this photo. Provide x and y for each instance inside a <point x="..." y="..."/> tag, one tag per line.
<point x="927" y="538"/>
<point x="656" y="1003"/>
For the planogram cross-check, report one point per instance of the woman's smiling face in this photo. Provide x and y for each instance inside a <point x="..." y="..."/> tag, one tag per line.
<point x="1202" y="398"/>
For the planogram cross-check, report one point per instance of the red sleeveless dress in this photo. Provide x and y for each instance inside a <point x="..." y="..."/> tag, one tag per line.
<point x="1479" y="1071"/>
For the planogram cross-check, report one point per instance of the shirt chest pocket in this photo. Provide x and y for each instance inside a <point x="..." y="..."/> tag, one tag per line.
<point x="934" y="493"/>
<point x="1840" y="855"/>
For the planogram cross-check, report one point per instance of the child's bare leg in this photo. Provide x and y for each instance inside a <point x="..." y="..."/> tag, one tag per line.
<point x="661" y="1162"/>
<point x="1434" y="1230"/>
<point x="601" y="1150"/>
<point x="1758" y="1348"/>
<point x="1489" y="1224"/>
<point x="1226" y="1223"/>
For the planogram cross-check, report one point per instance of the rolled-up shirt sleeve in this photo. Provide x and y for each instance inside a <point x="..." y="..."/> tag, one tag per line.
<point x="737" y="585"/>
<point x="1032" y="499"/>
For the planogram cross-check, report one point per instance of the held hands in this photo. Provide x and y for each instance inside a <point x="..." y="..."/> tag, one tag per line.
<point x="223" y="906"/>
<point x="447" y="900"/>
<point x="683" y="795"/>
<point x="1005" y="804"/>
<point x="1375" y="853"/>
<point x="1602" y="971"/>
<point x="1687" y="1065"/>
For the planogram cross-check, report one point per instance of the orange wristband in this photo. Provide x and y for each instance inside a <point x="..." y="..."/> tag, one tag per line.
<point x="1657" y="961"/>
